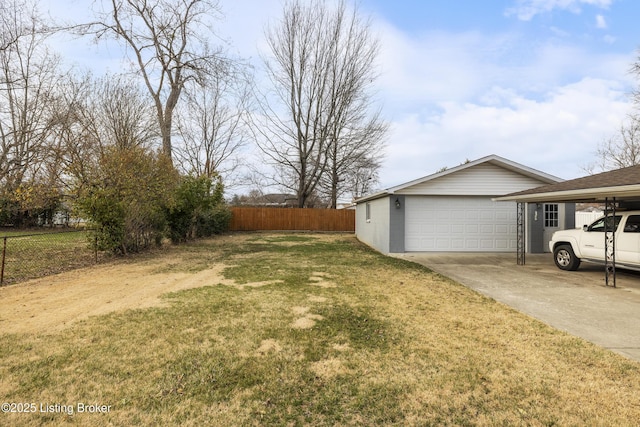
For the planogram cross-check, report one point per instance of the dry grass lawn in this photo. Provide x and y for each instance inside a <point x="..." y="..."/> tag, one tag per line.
<point x="275" y="329"/>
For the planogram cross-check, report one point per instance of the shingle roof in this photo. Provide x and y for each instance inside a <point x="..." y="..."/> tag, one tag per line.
<point x="621" y="183"/>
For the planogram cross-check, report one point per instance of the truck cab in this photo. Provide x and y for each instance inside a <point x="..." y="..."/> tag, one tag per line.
<point x="571" y="247"/>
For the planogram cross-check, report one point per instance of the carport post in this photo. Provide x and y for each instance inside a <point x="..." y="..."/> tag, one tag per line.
<point x="521" y="246"/>
<point x="610" y="242"/>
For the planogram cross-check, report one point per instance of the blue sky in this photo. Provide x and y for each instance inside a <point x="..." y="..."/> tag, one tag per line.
<point x="540" y="82"/>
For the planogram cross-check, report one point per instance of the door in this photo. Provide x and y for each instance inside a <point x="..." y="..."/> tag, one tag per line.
<point x="628" y="242"/>
<point x="592" y="241"/>
<point x="551" y="222"/>
<point x="459" y="224"/>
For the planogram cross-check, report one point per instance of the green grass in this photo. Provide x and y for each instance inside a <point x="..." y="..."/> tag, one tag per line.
<point x="31" y="254"/>
<point x="387" y="343"/>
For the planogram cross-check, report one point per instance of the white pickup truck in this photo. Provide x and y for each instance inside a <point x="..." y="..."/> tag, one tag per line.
<point x="570" y="247"/>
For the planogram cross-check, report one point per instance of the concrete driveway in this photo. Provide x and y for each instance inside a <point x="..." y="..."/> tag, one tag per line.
<point x="577" y="302"/>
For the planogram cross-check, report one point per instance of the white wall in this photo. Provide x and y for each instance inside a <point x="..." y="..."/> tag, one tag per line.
<point x="586" y="218"/>
<point x="375" y="231"/>
<point x="480" y="180"/>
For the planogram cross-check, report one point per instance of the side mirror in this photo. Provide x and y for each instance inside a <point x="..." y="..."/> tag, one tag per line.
<point x="585" y="227"/>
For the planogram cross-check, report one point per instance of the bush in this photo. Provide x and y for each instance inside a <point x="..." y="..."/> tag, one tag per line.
<point x="29" y="205"/>
<point x="127" y="197"/>
<point x="198" y="209"/>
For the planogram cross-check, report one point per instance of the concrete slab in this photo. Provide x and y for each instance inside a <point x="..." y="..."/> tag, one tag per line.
<point x="577" y="302"/>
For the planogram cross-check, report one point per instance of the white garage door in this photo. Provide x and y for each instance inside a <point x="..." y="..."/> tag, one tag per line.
<point x="465" y="224"/>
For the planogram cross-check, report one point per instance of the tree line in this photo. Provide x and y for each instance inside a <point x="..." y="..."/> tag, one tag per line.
<point x="180" y="121"/>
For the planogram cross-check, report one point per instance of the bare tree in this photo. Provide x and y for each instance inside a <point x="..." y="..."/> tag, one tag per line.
<point x="121" y="114"/>
<point x="317" y="122"/>
<point x="620" y="150"/>
<point x="169" y="40"/>
<point x="212" y="126"/>
<point x="363" y="177"/>
<point x="29" y="75"/>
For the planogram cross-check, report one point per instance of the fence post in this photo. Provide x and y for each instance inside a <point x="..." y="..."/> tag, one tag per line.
<point x="4" y="253"/>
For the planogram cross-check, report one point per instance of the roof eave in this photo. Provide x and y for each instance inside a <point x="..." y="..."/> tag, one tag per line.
<point x="374" y="196"/>
<point x="582" y="195"/>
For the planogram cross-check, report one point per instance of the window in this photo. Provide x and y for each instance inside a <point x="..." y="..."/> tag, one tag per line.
<point x="551" y="215"/>
<point x="633" y="224"/>
<point x="599" y="224"/>
<point x="368" y="212"/>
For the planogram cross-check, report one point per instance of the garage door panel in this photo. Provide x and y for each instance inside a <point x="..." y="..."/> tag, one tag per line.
<point x="459" y="224"/>
<point x="458" y="214"/>
<point x="487" y="229"/>
<point x="487" y="215"/>
<point x="457" y="244"/>
<point x="504" y="216"/>
<point x="457" y="228"/>
<point x="442" y="229"/>
<point x="473" y="244"/>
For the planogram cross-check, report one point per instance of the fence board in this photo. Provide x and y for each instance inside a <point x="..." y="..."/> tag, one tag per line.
<point x="292" y="219"/>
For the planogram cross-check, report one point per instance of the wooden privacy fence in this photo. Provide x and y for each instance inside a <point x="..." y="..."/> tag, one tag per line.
<point x="292" y="219"/>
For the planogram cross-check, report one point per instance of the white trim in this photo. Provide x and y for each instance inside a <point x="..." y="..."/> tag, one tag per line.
<point x="576" y="195"/>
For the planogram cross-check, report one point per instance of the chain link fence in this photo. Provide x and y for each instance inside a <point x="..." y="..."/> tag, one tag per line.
<point x="27" y="255"/>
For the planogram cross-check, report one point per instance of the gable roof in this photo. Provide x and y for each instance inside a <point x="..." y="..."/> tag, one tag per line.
<point x="620" y="183"/>
<point x="489" y="160"/>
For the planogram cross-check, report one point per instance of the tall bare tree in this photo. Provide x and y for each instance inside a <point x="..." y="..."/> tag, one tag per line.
<point x="622" y="149"/>
<point x="318" y="123"/>
<point x="91" y="116"/>
<point x="212" y="126"/>
<point x="121" y="114"/>
<point x="29" y="75"/>
<point x="169" y="42"/>
<point x="619" y="150"/>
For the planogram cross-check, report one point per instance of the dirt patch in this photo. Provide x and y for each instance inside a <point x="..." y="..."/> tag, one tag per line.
<point x="341" y="347"/>
<point x="52" y="303"/>
<point x="257" y="284"/>
<point x="306" y="322"/>
<point x="321" y="280"/>
<point x="269" y="346"/>
<point x="328" y="368"/>
<point x="300" y="310"/>
<point x="315" y="298"/>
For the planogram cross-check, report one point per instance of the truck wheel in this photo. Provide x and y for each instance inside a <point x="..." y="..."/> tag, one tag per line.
<point x="565" y="259"/>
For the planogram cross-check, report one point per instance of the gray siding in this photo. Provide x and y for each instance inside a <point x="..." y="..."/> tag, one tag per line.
<point x="396" y="224"/>
<point x="534" y="224"/>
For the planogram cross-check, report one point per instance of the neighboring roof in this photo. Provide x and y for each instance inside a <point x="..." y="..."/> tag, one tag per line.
<point x="623" y="184"/>
<point x="273" y="199"/>
<point x="492" y="159"/>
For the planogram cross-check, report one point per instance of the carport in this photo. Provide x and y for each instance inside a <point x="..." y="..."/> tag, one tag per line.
<point x="618" y="189"/>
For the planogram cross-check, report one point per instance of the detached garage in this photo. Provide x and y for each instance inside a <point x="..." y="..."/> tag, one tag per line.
<point x="453" y="211"/>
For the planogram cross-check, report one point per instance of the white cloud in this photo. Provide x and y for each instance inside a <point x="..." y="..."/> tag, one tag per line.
<point x="601" y="23"/>
<point x="439" y="67"/>
<point x="457" y="96"/>
<point x="525" y="10"/>
<point x="557" y="135"/>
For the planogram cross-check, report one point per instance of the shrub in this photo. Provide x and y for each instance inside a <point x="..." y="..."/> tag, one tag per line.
<point x="198" y="209"/>
<point x="29" y="205"/>
<point x="126" y="198"/>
